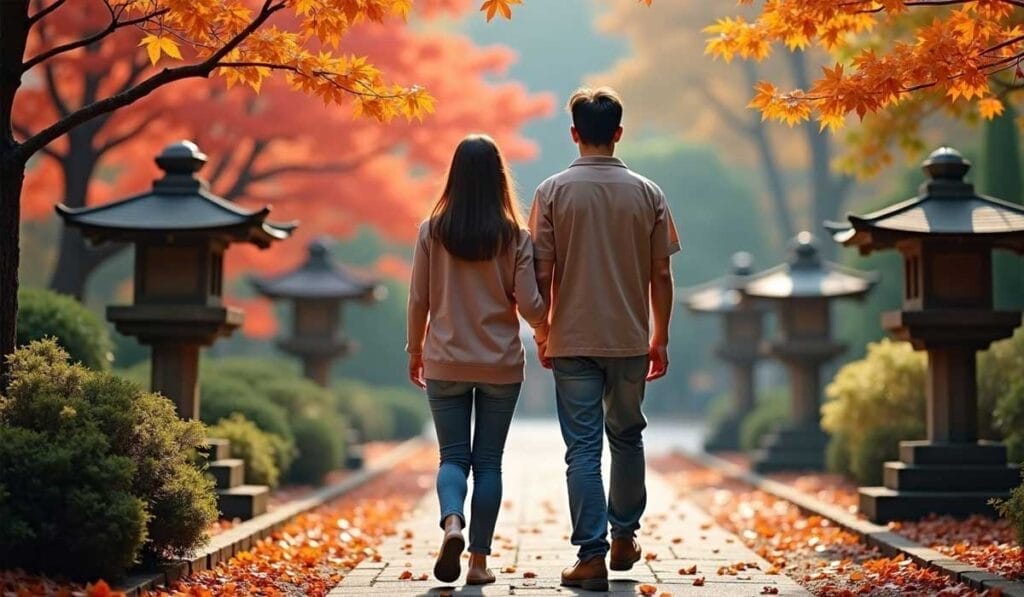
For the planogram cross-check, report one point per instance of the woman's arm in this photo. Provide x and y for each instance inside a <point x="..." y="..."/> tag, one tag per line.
<point x="528" y="296"/>
<point x="419" y="306"/>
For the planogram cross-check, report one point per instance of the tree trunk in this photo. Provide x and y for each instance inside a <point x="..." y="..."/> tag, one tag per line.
<point x="14" y="25"/>
<point x="12" y="174"/>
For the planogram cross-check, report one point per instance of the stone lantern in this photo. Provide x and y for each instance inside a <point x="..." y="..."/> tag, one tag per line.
<point x="742" y="326"/>
<point x="946" y="236"/>
<point x="317" y="291"/>
<point x="803" y="291"/>
<point x="180" y="231"/>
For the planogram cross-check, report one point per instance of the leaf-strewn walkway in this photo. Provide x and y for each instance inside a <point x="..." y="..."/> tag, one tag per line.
<point x="684" y="548"/>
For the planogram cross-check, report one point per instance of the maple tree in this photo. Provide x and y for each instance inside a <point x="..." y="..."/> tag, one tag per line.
<point x="706" y="101"/>
<point x="243" y="41"/>
<point x="950" y="53"/>
<point x="312" y="162"/>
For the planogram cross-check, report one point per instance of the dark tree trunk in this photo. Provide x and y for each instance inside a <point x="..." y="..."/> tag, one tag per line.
<point x="14" y="25"/>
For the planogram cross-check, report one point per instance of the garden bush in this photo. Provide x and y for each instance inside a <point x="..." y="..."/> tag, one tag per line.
<point x="771" y="411"/>
<point x="1001" y="393"/>
<point x="94" y="470"/>
<point x="43" y="313"/>
<point x="1013" y="509"/>
<point x="356" y="403"/>
<point x="873" y="404"/>
<point x="253" y="445"/>
<point x="321" y="449"/>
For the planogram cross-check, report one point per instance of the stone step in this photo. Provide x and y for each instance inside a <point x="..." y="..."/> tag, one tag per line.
<point x="244" y="501"/>
<point x="227" y="472"/>
<point x="217" y="449"/>
<point x="950" y="477"/>
<point x="881" y="504"/>
<point x="925" y="452"/>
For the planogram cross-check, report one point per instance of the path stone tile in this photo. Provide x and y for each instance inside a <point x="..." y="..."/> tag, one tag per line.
<point x="531" y="545"/>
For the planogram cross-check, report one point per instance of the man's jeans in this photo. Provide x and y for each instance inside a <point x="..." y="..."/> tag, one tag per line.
<point x="595" y="395"/>
<point x="451" y="404"/>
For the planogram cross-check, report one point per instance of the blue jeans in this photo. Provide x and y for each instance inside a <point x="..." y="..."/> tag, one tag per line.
<point x="451" y="404"/>
<point x="598" y="395"/>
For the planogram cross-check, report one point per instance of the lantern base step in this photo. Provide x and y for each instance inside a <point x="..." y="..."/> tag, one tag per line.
<point x="216" y="449"/>
<point x="924" y="452"/>
<point x="792" y="449"/>
<point x="244" y="501"/>
<point x="881" y="504"/>
<point x="227" y="473"/>
<point x="948" y="477"/>
<point x="724" y="437"/>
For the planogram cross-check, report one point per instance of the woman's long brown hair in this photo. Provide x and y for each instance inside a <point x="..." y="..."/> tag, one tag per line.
<point x="477" y="217"/>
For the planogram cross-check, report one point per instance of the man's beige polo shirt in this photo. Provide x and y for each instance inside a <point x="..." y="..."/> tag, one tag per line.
<point x="602" y="224"/>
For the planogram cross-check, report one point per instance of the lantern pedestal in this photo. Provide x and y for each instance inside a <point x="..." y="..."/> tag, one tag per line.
<point x="175" y="333"/>
<point x="317" y="355"/>
<point x="800" y="444"/>
<point x="742" y="360"/>
<point x="951" y="472"/>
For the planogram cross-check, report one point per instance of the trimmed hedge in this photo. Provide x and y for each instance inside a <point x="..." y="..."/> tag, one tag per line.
<point x="873" y="404"/>
<point x="258" y="448"/>
<point x="46" y="314"/>
<point x="321" y="449"/>
<point x="95" y="470"/>
<point x="1001" y="392"/>
<point x="1013" y="509"/>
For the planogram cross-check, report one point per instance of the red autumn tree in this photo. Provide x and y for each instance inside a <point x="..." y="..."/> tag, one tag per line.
<point x="244" y="41"/>
<point x="314" y="163"/>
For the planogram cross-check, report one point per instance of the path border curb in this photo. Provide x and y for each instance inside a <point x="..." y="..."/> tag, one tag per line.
<point x="874" y="535"/>
<point x="244" y="536"/>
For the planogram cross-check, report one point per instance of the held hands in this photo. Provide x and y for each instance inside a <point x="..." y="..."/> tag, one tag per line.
<point x="416" y="371"/>
<point x="542" y="352"/>
<point x="658" y="358"/>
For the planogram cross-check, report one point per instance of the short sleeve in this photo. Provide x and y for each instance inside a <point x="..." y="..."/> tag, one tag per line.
<point x="664" y="238"/>
<point x="541" y="226"/>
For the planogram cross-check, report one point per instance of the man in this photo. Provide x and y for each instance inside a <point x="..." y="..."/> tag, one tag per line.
<point x="603" y="237"/>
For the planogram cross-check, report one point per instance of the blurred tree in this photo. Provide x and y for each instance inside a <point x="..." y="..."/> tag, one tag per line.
<point x="702" y="99"/>
<point x="316" y="164"/>
<point x="233" y="38"/>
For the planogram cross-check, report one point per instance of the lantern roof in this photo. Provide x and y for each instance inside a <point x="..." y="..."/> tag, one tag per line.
<point x="947" y="207"/>
<point x="723" y="294"/>
<point x="179" y="204"/>
<point x="320" y="277"/>
<point x="807" y="275"/>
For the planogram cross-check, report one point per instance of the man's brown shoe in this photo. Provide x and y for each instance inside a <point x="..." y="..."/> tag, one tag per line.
<point x="591" y="575"/>
<point x="625" y="552"/>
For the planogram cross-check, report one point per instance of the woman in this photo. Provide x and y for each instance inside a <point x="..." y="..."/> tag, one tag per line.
<point x="473" y="266"/>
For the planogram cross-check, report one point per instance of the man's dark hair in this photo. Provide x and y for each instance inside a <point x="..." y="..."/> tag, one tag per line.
<point x="596" y="114"/>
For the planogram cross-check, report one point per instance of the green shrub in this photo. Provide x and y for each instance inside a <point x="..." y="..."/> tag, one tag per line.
<point x="409" y="409"/>
<point x="772" y="410"/>
<point x="1001" y="393"/>
<point x="253" y="445"/>
<point x="356" y="404"/>
<point x="1013" y="509"/>
<point x="220" y="397"/>
<point x="43" y="313"/>
<point x="320" y="448"/>
<point x="94" y="470"/>
<point x="873" y="404"/>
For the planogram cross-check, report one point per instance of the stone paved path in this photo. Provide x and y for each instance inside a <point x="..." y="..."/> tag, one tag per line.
<point x="532" y="547"/>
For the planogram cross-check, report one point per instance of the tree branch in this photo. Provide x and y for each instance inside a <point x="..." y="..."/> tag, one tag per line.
<point x="32" y="20"/>
<point x="25" y="133"/>
<point x="144" y="88"/>
<point x="85" y="41"/>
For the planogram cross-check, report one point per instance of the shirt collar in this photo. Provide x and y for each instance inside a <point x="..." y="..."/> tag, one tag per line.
<point x="598" y="160"/>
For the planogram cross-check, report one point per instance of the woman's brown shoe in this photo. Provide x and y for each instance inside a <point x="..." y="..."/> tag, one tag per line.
<point x="591" y="575"/>
<point x="625" y="552"/>
<point x="448" y="566"/>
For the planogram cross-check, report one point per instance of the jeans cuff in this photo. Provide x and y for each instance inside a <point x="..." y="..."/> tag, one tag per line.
<point x="588" y="554"/>
<point x="445" y="515"/>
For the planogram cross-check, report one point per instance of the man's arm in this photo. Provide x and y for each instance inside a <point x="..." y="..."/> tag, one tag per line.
<point x="545" y="280"/>
<point x="662" y="298"/>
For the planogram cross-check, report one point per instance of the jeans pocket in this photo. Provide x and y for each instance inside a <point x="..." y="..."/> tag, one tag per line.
<point x="573" y="366"/>
<point x="634" y="370"/>
<point x="437" y="388"/>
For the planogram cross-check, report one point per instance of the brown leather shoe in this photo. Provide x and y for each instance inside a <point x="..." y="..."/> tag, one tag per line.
<point x="625" y="552"/>
<point x="591" y="575"/>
